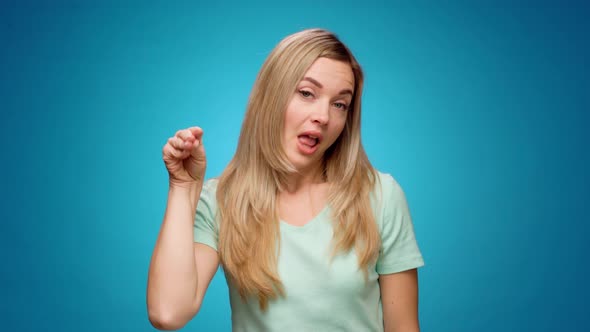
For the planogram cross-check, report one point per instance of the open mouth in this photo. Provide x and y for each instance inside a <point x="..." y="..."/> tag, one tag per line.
<point x="309" y="140"/>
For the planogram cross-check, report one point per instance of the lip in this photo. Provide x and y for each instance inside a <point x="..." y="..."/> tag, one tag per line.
<point x="313" y="133"/>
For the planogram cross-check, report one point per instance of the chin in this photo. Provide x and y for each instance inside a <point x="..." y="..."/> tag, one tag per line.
<point x="302" y="162"/>
<point x="299" y="164"/>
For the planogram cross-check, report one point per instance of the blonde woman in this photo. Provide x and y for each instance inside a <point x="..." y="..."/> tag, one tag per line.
<point x="310" y="236"/>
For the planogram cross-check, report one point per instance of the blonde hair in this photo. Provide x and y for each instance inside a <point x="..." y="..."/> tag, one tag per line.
<point x="248" y="188"/>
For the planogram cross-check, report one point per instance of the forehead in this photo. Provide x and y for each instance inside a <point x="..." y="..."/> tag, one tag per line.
<point x="329" y="72"/>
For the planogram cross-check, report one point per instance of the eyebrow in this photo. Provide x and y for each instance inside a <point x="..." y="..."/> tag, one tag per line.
<point x="319" y="85"/>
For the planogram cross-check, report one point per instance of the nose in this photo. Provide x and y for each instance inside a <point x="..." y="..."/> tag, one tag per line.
<point x="320" y="114"/>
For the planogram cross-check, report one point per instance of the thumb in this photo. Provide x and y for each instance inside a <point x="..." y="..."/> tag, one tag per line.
<point x="198" y="150"/>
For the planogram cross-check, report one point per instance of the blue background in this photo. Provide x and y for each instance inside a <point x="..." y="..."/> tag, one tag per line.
<point x="480" y="111"/>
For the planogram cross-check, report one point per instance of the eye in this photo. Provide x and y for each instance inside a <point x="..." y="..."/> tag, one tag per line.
<point x="341" y="106"/>
<point x="305" y="94"/>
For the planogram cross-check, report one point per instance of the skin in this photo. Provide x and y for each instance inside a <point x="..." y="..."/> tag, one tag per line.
<point x="399" y="296"/>
<point x="319" y="104"/>
<point x="181" y="270"/>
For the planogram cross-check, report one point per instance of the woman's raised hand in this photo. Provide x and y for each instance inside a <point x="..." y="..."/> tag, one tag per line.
<point x="184" y="156"/>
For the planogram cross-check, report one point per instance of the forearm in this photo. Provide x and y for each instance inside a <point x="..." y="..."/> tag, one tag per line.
<point x="172" y="281"/>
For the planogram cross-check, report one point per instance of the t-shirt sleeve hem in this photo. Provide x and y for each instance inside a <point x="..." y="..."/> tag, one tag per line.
<point x="206" y="240"/>
<point x="400" y="266"/>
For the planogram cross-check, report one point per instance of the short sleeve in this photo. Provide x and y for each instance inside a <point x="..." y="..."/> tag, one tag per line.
<point x="206" y="230"/>
<point x="399" y="248"/>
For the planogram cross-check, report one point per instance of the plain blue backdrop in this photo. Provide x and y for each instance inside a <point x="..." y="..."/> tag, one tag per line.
<point x="480" y="111"/>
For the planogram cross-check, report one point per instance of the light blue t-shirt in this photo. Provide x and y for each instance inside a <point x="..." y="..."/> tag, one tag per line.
<point x="322" y="293"/>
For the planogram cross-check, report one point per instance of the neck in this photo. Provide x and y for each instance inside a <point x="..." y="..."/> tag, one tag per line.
<point x="305" y="178"/>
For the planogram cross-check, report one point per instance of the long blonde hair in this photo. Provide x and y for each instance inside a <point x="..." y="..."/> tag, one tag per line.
<point x="248" y="188"/>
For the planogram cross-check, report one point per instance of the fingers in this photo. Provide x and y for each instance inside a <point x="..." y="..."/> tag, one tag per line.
<point x="190" y="134"/>
<point x="184" y="142"/>
<point x="180" y="144"/>
<point x="170" y="152"/>
<point x="197" y="132"/>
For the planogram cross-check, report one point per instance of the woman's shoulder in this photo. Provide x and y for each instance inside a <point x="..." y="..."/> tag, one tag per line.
<point x="386" y="184"/>
<point x="208" y="193"/>
<point x="387" y="197"/>
<point x="210" y="185"/>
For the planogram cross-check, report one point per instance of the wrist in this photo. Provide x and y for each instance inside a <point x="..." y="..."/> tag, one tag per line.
<point x="180" y="186"/>
<point x="192" y="190"/>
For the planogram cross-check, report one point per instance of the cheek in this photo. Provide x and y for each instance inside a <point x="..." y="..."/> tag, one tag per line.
<point x="293" y="117"/>
<point x="335" y="132"/>
<point x="340" y="124"/>
<point x="288" y="116"/>
<point x="287" y="124"/>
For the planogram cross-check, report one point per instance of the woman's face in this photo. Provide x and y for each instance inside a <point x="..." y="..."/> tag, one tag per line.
<point x="317" y="112"/>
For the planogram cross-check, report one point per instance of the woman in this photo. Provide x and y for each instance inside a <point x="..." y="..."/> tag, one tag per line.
<point x="310" y="236"/>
